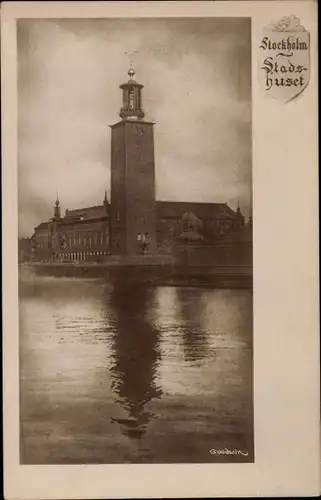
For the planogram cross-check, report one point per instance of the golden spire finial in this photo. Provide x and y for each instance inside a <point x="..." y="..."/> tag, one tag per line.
<point x="131" y="71"/>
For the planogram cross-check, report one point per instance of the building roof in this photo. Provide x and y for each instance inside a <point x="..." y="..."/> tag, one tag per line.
<point x="42" y="225"/>
<point x="79" y="215"/>
<point x="176" y="209"/>
<point x="86" y="213"/>
<point x="164" y="209"/>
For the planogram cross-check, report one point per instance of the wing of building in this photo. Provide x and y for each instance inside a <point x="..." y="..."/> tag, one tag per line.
<point x="85" y="233"/>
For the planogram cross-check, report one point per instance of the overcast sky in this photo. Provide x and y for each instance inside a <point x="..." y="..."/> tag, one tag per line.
<point x="196" y="74"/>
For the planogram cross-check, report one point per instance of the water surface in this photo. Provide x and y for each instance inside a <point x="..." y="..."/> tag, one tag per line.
<point x="138" y="375"/>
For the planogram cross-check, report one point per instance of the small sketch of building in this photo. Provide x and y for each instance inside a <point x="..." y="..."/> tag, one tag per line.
<point x="133" y="221"/>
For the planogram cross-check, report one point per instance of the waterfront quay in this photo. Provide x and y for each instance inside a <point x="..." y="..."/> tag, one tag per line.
<point x="149" y="270"/>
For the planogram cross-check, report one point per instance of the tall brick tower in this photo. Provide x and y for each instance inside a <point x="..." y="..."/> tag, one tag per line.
<point x="133" y="207"/>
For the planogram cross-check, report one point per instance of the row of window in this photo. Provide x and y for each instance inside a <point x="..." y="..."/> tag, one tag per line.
<point x="77" y="256"/>
<point x="94" y="239"/>
<point x="65" y="240"/>
<point x="206" y="222"/>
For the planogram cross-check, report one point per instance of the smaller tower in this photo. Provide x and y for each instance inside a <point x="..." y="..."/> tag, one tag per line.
<point x="57" y="210"/>
<point x="240" y="216"/>
<point x="105" y="199"/>
<point x="132" y="100"/>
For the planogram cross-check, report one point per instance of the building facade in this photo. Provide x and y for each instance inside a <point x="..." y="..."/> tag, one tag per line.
<point x="133" y="222"/>
<point x="82" y="234"/>
<point x="24" y="250"/>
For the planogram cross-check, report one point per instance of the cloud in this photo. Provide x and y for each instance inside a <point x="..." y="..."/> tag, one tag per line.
<point x="196" y="74"/>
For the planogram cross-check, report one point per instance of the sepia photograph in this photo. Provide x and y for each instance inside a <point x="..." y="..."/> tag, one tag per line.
<point x="135" y="240"/>
<point x="160" y="249"/>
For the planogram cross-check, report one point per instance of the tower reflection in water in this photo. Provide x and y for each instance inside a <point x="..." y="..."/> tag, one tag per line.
<point x="135" y="354"/>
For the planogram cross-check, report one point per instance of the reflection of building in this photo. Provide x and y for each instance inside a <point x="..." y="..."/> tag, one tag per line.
<point x="135" y="354"/>
<point x="133" y="222"/>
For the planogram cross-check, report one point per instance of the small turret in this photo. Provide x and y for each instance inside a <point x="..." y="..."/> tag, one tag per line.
<point x="240" y="216"/>
<point x="57" y="209"/>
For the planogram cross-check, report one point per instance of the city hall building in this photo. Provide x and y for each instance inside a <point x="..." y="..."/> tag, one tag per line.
<point x="133" y="221"/>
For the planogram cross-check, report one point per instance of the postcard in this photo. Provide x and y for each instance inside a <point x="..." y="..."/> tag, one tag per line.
<point x="160" y="244"/>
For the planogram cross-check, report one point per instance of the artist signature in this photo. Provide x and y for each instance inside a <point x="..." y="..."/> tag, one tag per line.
<point x="226" y="451"/>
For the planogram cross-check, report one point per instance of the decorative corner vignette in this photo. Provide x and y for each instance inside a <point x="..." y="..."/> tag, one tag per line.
<point x="284" y="59"/>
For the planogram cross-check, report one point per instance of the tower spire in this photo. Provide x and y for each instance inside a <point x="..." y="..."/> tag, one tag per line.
<point x="131" y="71"/>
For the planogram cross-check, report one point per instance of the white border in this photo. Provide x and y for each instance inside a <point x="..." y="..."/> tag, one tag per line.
<point x="286" y="339"/>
